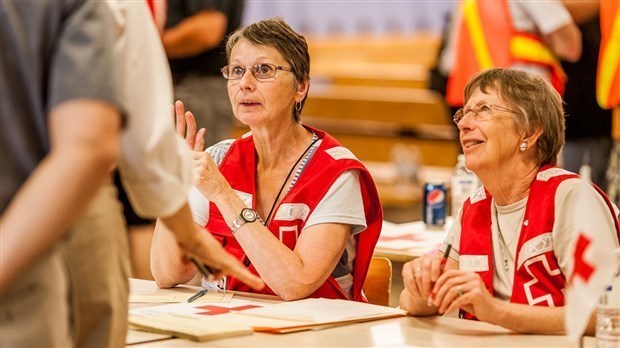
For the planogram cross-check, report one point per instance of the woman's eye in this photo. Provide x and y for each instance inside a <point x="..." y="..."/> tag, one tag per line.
<point x="237" y="70"/>
<point x="485" y="107"/>
<point x="264" y="69"/>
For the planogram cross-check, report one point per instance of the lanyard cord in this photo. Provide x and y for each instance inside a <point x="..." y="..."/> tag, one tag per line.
<point x="285" y="180"/>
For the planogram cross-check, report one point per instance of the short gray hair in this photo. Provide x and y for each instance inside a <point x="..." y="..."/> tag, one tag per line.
<point x="539" y="105"/>
<point x="274" y="32"/>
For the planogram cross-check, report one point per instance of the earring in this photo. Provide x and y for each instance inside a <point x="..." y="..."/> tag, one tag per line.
<point x="298" y="106"/>
<point x="523" y="146"/>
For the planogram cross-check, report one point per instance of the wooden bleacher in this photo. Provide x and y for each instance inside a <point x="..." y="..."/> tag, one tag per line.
<point x="367" y="60"/>
<point x="370" y="93"/>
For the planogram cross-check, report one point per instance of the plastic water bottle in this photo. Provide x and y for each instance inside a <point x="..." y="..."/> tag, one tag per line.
<point x="608" y="313"/>
<point x="464" y="184"/>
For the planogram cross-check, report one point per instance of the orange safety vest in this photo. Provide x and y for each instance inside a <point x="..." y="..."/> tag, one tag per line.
<point x="608" y="75"/>
<point x="485" y="39"/>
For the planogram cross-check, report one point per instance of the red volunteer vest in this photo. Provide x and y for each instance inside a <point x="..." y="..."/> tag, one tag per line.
<point x="485" y="39"/>
<point x="329" y="161"/>
<point x="538" y="280"/>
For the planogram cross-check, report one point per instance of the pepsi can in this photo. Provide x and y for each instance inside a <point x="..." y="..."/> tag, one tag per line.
<point x="434" y="205"/>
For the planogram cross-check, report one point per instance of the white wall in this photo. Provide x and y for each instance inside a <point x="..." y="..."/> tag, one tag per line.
<point x="349" y="17"/>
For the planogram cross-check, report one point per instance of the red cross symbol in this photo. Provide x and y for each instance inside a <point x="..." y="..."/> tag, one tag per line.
<point x="582" y="268"/>
<point x="215" y="310"/>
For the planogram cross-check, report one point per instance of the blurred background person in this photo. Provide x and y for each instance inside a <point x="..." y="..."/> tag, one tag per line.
<point x="512" y="240"/>
<point x="523" y="35"/>
<point x="608" y="87"/>
<point x="195" y="45"/>
<point x="588" y="126"/>
<point x="74" y="290"/>
<point x="288" y="200"/>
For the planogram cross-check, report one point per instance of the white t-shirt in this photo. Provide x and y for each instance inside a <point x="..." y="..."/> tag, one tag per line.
<point x="341" y="204"/>
<point x="511" y="218"/>
<point x="155" y="163"/>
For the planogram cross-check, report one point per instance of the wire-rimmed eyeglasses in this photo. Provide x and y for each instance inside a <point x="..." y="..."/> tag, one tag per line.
<point x="260" y="71"/>
<point x="481" y="112"/>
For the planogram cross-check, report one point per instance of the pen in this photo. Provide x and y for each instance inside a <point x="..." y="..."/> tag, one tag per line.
<point x="205" y="270"/>
<point x="197" y="295"/>
<point x="444" y="259"/>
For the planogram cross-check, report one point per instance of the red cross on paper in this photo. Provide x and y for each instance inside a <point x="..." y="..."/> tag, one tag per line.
<point x="215" y="310"/>
<point x="582" y="268"/>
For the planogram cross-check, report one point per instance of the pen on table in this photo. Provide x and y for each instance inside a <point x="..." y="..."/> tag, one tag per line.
<point x="444" y="259"/>
<point x="197" y="295"/>
<point x="206" y="272"/>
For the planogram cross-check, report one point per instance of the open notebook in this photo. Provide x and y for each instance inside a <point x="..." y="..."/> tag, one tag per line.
<point x="199" y="321"/>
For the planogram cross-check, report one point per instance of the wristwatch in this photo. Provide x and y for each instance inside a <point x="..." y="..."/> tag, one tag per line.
<point x="247" y="215"/>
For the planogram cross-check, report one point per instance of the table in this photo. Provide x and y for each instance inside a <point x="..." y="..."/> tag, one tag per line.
<point x="401" y="243"/>
<point x="404" y="331"/>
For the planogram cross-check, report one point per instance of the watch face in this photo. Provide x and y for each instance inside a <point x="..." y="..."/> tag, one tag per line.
<point x="249" y="215"/>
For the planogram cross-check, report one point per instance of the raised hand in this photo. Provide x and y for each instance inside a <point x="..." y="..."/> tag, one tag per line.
<point x="186" y="127"/>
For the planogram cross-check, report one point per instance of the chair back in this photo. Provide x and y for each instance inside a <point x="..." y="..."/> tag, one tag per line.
<point x="378" y="284"/>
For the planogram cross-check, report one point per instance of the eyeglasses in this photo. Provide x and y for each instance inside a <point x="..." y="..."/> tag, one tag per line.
<point x="260" y="71"/>
<point x="481" y="112"/>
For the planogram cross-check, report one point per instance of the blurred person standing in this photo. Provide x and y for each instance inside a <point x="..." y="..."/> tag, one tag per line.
<point x="608" y="86"/>
<point x="61" y="68"/>
<point x="588" y="126"/>
<point x="525" y="35"/>
<point x="195" y="45"/>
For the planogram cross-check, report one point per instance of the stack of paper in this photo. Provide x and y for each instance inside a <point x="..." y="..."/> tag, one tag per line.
<point x="187" y="319"/>
<point x="194" y="329"/>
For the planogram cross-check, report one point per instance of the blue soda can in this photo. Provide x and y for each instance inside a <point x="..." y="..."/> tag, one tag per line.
<point x="434" y="204"/>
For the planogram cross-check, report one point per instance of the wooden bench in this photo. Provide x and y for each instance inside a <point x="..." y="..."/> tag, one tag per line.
<point x="406" y="106"/>
<point x="385" y="61"/>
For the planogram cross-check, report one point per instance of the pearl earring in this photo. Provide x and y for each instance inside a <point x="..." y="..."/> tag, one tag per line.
<point x="523" y="146"/>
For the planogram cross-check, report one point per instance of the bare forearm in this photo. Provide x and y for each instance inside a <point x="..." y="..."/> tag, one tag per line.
<point x="195" y="34"/>
<point x="566" y="42"/>
<point x="167" y="265"/>
<point x="531" y="319"/>
<point x="292" y="274"/>
<point x="49" y="202"/>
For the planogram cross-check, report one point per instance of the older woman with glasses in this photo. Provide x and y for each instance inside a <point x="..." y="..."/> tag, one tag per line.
<point x="288" y="200"/>
<point x="511" y="242"/>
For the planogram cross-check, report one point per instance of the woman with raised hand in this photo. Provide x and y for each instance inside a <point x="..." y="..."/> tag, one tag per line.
<point x="288" y="200"/>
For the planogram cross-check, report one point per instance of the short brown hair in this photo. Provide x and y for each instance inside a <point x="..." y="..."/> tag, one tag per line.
<point x="539" y="104"/>
<point x="274" y="32"/>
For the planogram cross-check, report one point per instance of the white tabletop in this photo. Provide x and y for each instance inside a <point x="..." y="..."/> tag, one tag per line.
<point x="404" y="331"/>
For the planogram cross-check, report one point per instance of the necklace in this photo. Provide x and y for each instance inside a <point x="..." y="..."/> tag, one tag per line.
<point x="503" y="247"/>
<point x="286" y="179"/>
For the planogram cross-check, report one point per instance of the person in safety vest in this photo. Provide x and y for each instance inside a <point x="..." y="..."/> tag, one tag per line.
<point x="524" y="35"/>
<point x="510" y="242"/>
<point x="608" y="86"/>
<point x="298" y="208"/>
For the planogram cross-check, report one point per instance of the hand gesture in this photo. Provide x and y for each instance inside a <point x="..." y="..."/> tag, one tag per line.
<point x="186" y="127"/>
<point x="208" y="250"/>
<point x="420" y="274"/>
<point x="464" y="289"/>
